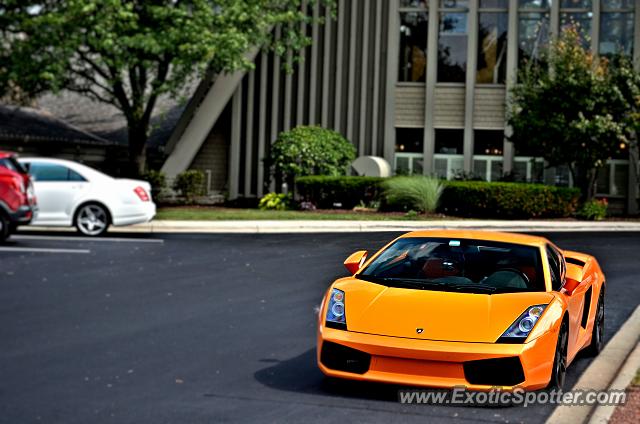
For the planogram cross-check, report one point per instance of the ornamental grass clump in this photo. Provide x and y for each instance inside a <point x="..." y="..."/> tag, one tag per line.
<point x="416" y="192"/>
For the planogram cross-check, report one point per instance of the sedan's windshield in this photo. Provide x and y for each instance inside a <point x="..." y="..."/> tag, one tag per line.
<point x="475" y="266"/>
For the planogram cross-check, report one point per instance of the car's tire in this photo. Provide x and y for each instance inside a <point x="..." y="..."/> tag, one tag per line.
<point x="559" y="370"/>
<point x="5" y="227"/>
<point x="92" y="219"/>
<point x="597" y="333"/>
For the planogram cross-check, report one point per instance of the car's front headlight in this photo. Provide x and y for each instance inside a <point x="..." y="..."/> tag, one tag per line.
<point x="520" y="329"/>
<point x="335" y="311"/>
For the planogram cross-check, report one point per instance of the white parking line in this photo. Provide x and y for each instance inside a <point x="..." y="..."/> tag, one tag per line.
<point x="87" y="239"/>
<point x="42" y="250"/>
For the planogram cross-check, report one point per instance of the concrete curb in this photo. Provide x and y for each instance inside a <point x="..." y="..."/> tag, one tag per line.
<point x="311" y="226"/>
<point x="602" y="371"/>
<point x="603" y="413"/>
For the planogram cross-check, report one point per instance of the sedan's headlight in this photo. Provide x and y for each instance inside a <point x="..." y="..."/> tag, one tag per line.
<point x="520" y="329"/>
<point x="335" y="311"/>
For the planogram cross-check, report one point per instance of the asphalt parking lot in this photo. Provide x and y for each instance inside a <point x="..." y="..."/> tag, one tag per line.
<point x="210" y="328"/>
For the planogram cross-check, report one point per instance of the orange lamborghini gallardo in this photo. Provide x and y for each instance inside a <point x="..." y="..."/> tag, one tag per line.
<point x="462" y="308"/>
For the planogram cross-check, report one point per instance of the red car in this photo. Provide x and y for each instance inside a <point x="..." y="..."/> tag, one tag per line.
<point x="17" y="199"/>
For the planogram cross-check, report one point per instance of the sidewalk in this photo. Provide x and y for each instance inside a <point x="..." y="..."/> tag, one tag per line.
<point x="293" y="226"/>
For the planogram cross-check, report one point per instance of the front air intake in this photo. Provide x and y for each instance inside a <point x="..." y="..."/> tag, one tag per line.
<point x="342" y="358"/>
<point x="494" y="372"/>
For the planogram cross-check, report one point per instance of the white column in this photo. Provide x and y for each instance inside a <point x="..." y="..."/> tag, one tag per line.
<point x="262" y="121"/>
<point x="248" y="157"/>
<point x="472" y="60"/>
<point x="512" y="76"/>
<point x="430" y="88"/>
<point x="392" y="77"/>
<point x="364" y="79"/>
<point x="234" y="153"/>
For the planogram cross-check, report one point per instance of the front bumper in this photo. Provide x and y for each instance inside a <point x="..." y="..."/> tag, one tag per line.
<point x="443" y="364"/>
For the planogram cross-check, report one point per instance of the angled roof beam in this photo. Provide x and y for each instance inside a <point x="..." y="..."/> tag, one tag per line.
<point x="203" y="120"/>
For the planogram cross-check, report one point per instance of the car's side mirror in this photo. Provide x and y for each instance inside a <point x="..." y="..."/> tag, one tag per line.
<point x="570" y="285"/>
<point x="355" y="261"/>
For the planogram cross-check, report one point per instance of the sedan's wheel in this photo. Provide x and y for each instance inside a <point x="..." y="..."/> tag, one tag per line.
<point x="597" y="334"/>
<point x="5" y="228"/>
<point x="92" y="220"/>
<point x="560" y="360"/>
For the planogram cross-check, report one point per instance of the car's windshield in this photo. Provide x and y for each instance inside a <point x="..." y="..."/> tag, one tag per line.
<point x="475" y="266"/>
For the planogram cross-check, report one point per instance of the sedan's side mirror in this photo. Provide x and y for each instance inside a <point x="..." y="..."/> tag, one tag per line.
<point x="355" y="261"/>
<point x="570" y="285"/>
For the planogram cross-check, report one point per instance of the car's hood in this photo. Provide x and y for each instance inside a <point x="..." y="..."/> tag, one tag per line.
<point x="465" y="317"/>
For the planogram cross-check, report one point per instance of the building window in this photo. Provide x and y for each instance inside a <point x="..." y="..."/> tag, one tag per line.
<point x="452" y="41"/>
<point x="409" y="140"/>
<point x="577" y="13"/>
<point x="488" y="142"/>
<point x="492" y="42"/>
<point x="449" y="142"/>
<point x="533" y="30"/>
<point x="414" y="30"/>
<point x="616" y="27"/>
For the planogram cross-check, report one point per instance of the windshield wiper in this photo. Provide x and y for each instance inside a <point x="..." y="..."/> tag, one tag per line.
<point x="472" y="287"/>
<point x="425" y="284"/>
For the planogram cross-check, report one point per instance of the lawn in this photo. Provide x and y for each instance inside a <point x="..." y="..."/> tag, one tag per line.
<point x="199" y="213"/>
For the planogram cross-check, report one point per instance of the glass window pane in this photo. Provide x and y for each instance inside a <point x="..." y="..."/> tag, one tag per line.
<point x="480" y="168"/>
<point x="440" y="165"/>
<point x="620" y="180"/>
<point x="520" y="171"/>
<point x="74" y="176"/>
<point x="454" y="4"/>
<point x="616" y="33"/>
<point x="409" y="140"/>
<point x="402" y="166"/>
<point x="49" y="172"/>
<point x="533" y="35"/>
<point x="452" y="47"/>
<point x="602" y="185"/>
<point x="449" y="141"/>
<point x="492" y="48"/>
<point x="575" y="4"/>
<point x="617" y="4"/>
<point x="417" y="165"/>
<point x="496" y="170"/>
<point x="488" y="142"/>
<point x="580" y="20"/>
<point x="413" y="46"/>
<point x="501" y="4"/>
<point x="534" y="4"/>
<point x="414" y="3"/>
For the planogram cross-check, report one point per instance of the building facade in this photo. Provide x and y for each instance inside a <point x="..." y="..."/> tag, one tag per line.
<point x="421" y="83"/>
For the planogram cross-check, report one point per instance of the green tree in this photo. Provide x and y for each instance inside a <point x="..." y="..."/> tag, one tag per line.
<point x="127" y="53"/>
<point x="568" y="110"/>
<point x="309" y="150"/>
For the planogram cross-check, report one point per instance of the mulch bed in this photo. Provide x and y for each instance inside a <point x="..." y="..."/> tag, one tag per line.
<point x="629" y="413"/>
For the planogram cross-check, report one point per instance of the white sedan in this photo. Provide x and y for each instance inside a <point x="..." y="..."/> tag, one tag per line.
<point x="72" y="194"/>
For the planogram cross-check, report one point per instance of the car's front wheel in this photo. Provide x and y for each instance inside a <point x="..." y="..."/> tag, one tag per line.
<point x="92" y="219"/>
<point x="559" y="371"/>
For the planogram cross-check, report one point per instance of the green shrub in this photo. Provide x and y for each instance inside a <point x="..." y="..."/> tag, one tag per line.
<point x="593" y="210"/>
<point x="507" y="200"/>
<point x="189" y="183"/>
<point x="158" y="182"/>
<point x="275" y="202"/>
<point x="324" y="192"/>
<point x="309" y="151"/>
<point x="413" y="192"/>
